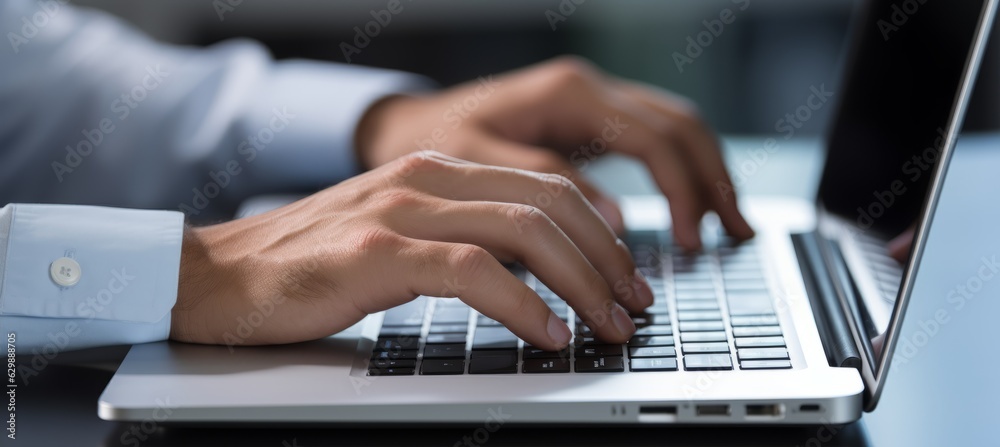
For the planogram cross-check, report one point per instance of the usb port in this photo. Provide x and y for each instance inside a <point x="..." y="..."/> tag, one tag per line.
<point x="764" y="410"/>
<point x="712" y="410"/>
<point x="809" y="408"/>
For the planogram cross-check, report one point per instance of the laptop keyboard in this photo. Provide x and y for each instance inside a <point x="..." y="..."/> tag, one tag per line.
<point x="712" y="311"/>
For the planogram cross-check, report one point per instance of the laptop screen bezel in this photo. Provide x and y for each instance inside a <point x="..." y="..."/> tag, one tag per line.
<point x="874" y="375"/>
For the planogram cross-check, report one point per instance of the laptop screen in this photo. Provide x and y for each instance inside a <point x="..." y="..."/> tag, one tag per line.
<point x="901" y="98"/>
<point x="897" y="97"/>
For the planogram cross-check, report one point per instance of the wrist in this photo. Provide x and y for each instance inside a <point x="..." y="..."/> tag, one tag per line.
<point x="373" y="143"/>
<point x="192" y="286"/>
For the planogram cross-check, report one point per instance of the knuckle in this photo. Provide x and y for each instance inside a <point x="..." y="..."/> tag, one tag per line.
<point x="469" y="260"/>
<point x="526" y="218"/>
<point x="399" y="198"/>
<point x="420" y="161"/>
<point x="556" y="182"/>
<point x="572" y="69"/>
<point x="376" y="240"/>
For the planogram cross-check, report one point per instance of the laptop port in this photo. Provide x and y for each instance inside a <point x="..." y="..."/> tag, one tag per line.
<point x="765" y="410"/>
<point x="712" y="410"/>
<point x="658" y="414"/>
<point x="809" y="408"/>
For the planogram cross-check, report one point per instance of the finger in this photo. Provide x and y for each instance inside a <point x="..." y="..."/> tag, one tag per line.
<point x="527" y="235"/>
<point x="899" y="247"/>
<point x="560" y="201"/>
<point x="641" y="136"/>
<point x="499" y="152"/>
<point x="471" y="274"/>
<point x="702" y="148"/>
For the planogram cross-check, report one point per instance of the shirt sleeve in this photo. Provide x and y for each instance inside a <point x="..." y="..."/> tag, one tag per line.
<point x="108" y="116"/>
<point x="74" y="277"/>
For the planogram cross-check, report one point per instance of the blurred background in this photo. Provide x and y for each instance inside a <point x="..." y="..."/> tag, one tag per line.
<point x="760" y="67"/>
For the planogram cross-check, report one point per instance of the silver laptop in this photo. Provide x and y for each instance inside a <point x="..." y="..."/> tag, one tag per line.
<point x="795" y="327"/>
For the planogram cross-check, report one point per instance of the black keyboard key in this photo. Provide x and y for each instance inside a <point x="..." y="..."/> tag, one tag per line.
<point x="661" y="364"/>
<point x="409" y="314"/>
<point x="766" y="364"/>
<point x="587" y="341"/>
<point x="699" y="315"/>
<point x="598" y="350"/>
<point x="452" y="351"/>
<point x="494" y="338"/>
<point x="439" y="339"/>
<point x="495" y="362"/>
<point x="705" y="348"/>
<point x="760" y="342"/>
<point x="754" y="320"/>
<point x="386" y="364"/>
<point x="449" y="328"/>
<point x="600" y="364"/>
<point x="541" y="366"/>
<point x="708" y="362"/>
<point x="531" y="352"/>
<point x="659" y="329"/>
<point x="655" y="340"/>
<point x="653" y="351"/>
<point x="701" y="326"/>
<point x="394" y="355"/>
<point x="756" y="331"/>
<point x="584" y="331"/>
<point x="397" y="331"/>
<point x="433" y="367"/>
<point x="396" y="343"/>
<point x="763" y="354"/>
<point x="391" y="372"/>
<point x="703" y="337"/>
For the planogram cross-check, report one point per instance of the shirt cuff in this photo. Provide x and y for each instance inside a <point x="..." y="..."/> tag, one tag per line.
<point x="110" y="275"/>
<point x="300" y="131"/>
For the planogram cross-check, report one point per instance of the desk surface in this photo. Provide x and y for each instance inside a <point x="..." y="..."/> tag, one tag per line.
<point x="58" y="407"/>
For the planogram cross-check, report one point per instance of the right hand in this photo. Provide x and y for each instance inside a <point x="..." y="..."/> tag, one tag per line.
<point x="427" y="224"/>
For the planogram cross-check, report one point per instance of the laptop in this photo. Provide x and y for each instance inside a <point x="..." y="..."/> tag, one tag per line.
<point x="797" y="326"/>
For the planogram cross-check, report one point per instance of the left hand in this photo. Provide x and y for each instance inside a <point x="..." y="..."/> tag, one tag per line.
<point x="557" y="117"/>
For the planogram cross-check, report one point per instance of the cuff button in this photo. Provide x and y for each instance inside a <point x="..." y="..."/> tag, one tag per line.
<point x="65" y="272"/>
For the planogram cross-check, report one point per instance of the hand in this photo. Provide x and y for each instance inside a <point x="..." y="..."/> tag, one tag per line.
<point x="899" y="246"/>
<point x="557" y="117"/>
<point x="427" y="224"/>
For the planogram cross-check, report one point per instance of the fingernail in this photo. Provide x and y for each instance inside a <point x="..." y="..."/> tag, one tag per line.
<point x="558" y="331"/>
<point x="623" y="322"/>
<point x="645" y="291"/>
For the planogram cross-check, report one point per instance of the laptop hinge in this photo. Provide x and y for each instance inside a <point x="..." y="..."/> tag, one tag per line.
<point x="831" y="320"/>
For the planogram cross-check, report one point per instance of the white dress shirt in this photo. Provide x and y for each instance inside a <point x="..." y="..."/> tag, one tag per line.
<point x="95" y="113"/>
